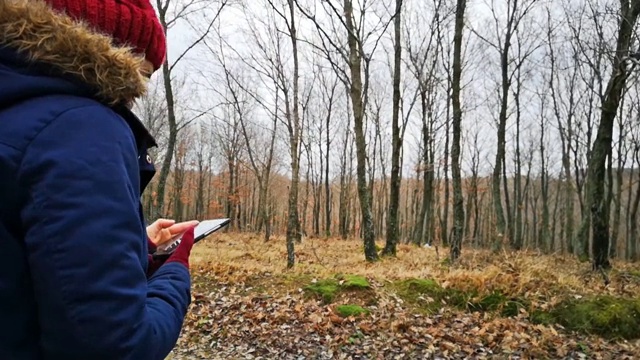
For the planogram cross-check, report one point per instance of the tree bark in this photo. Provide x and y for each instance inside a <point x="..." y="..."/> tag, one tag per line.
<point x="293" y="223"/>
<point x="602" y="145"/>
<point x="458" y="201"/>
<point x="356" y="92"/>
<point x="396" y="140"/>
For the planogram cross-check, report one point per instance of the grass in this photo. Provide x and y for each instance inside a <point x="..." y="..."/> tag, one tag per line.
<point x="545" y="289"/>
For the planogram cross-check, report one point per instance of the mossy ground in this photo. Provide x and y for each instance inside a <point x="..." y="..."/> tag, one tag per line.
<point x="606" y="316"/>
<point x="351" y="310"/>
<point x="328" y="289"/>
<point x="429" y="296"/>
<point x="540" y="288"/>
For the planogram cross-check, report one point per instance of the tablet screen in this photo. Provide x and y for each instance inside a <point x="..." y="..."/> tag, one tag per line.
<point x="203" y="229"/>
<point x="206" y="227"/>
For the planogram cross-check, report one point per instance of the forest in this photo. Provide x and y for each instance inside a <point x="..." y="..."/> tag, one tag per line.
<point x="381" y="128"/>
<point x="458" y="135"/>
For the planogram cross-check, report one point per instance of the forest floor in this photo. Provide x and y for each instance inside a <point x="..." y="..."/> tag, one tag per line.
<point x="334" y="305"/>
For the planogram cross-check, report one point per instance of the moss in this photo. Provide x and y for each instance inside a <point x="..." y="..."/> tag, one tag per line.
<point x="414" y="287"/>
<point x="541" y="317"/>
<point x="491" y="302"/>
<point x="429" y="296"/>
<point x="460" y="299"/>
<point x="351" y="310"/>
<point x="325" y="289"/>
<point x="354" y="282"/>
<point x="498" y="302"/>
<point x="606" y="316"/>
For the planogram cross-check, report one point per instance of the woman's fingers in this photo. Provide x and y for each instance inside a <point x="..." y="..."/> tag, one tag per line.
<point x="163" y="237"/>
<point x="164" y="230"/>
<point x="182" y="227"/>
<point x="164" y="223"/>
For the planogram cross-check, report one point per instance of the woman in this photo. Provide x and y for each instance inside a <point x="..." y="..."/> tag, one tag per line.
<point x="75" y="281"/>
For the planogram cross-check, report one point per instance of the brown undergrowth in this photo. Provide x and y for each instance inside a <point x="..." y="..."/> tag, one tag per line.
<point x="335" y="305"/>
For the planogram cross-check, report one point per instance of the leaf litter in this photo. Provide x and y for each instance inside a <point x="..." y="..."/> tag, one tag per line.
<point x="254" y="309"/>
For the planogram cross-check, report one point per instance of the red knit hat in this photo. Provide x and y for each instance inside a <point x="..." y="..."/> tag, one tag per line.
<point x="129" y="22"/>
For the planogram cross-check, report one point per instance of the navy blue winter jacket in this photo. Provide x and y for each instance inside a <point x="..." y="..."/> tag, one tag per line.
<point x="73" y="244"/>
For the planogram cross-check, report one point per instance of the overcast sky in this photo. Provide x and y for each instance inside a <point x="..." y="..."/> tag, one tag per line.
<point x="481" y="72"/>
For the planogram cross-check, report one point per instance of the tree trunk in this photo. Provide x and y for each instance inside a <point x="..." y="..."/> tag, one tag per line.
<point x="396" y="141"/>
<point x="293" y="224"/>
<point x="602" y="145"/>
<point x="617" y="198"/>
<point x="355" y="67"/>
<point x="501" y="227"/>
<point x="425" y="228"/>
<point x="545" y="234"/>
<point x="171" y="143"/>
<point x="343" y="223"/>
<point x="632" y="217"/>
<point x="327" y="188"/>
<point x="458" y="201"/>
<point x="516" y="240"/>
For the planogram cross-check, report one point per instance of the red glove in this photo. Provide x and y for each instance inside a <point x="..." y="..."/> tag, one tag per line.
<point x="152" y="246"/>
<point x="153" y="264"/>
<point x="182" y="252"/>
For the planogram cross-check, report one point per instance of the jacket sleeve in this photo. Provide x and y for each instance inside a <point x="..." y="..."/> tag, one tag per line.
<point x="85" y="240"/>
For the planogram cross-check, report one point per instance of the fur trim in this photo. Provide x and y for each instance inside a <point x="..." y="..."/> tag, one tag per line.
<point x="34" y="29"/>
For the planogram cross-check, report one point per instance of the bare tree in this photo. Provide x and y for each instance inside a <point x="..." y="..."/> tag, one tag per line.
<point x="458" y="205"/>
<point x="181" y="11"/>
<point x="629" y="11"/>
<point x="357" y="59"/>
<point x="329" y="95"/>
<point x="238" y="96"/>
<point x="203" y="155"/>
<point x="564" y="107"/>
<point x="634" y="205"/>
<point x="396" y="139"/>
<point x="227" y="130"/>
<point x="423" y="65"/>
<point x="516" y="11"/>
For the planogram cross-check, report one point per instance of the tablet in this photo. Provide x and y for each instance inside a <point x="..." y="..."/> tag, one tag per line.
<point x="204" y="229"/>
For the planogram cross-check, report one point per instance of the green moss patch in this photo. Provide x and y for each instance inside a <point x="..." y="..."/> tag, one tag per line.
<point x="328" y="289"/>
<point x="541" y="317"/>
<point x="413" y="290"/>
<point x="498" y="302"/>
<point x="325" y="289"/>
<point x="429" y="296"/>
<point x="351" y="310"/>
<point x="353" y="282"/>
<point x="606" y="316"/>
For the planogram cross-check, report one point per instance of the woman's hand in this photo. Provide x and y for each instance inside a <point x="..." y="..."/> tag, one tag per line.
<point x="163" y="230"/>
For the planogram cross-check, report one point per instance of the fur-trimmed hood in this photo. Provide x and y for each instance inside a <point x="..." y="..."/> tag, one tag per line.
<point x="44" y="36"/>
